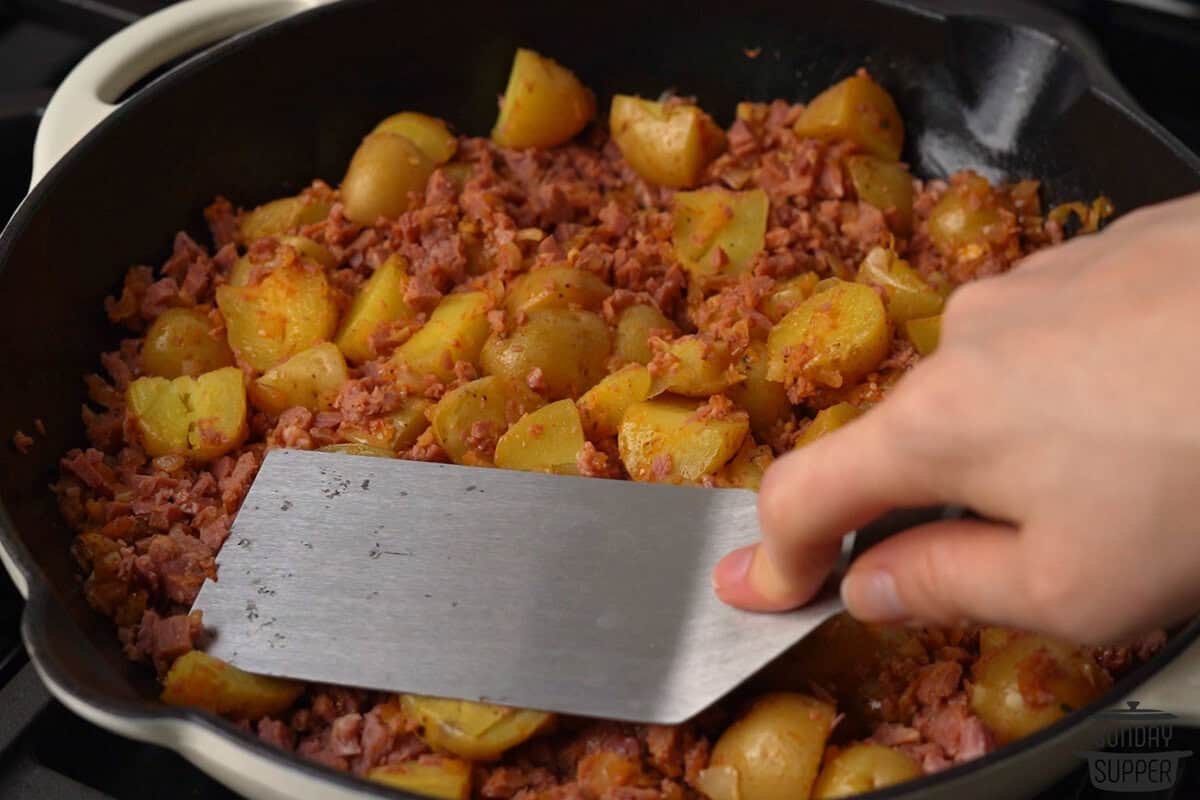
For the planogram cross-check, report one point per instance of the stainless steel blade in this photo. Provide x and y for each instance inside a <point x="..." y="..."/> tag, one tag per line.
<point x="568" y="594"/>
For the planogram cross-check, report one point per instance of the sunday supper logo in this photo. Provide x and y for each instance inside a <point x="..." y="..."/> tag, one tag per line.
<point x="1135" y="754"/>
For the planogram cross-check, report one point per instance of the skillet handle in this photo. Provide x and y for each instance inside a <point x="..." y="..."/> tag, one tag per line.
<point x="91" y="91"/>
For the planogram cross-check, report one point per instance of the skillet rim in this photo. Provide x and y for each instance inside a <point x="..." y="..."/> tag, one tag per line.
<point x="35" y="630"/>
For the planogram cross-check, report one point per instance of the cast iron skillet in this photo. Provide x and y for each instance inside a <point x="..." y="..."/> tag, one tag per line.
<point x="262" y="115"/>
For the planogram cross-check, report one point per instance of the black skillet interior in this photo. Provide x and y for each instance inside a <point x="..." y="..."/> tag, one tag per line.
<point x="260" y="117"/>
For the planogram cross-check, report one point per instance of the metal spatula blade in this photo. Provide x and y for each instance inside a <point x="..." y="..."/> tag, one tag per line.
<point x="566" y="594"/>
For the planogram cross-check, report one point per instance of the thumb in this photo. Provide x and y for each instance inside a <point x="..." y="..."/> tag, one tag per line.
<point x="943" y="573"/>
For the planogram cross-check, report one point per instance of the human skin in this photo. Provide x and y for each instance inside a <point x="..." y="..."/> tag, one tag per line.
<point x="1063" y="405"/>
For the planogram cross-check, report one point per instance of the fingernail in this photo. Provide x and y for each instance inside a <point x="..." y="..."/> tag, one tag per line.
<point x="733" y="568"/>
<point x="872" y="596"/>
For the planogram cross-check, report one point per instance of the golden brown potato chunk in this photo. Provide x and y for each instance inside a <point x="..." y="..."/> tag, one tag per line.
<point x="180" y="343"/>
<point x="862" y="768"/>
<point x="603" y="406"/>
<point x="746" y="469"/>
<point x="696" y="367"/>
<point x="280" y="216"/>
<point x="311" y="378"/>
<point x="291" y="310"/>
<point x="669" y="145"/>
<point x="833" y="338"/>
<point x="827" y="420"/>
<point x="556" y="287"/>
<point x="477" y="731"/>
<point x="385" y="169"/>
<point x="635" y="326"/>
<point x="717" y="232"/>
<point x="666" y="441"/>
<point x="765" y="401"/>
<point x="788" y="294"/>
<point x="924" y="333"/>
<point x="197" y="679"/>
<point x="908" y="295"/>
<point x="858" y="109"/>
<point x="380" y="300"/>
<point x="544" y="105"/>
<point x="202" y="417"/>
<point x="968" y="216"/>
<point x="1032" y="681"/>
<point x="356" y="449"/>
<point x="568" y="349"/>
<point x="456" y="331"/>
<point x="442" y="778"/>
<point x="429" y="134"/>
<point x="885" y="185"/>
<point x="469" y="420"/>
<point x="392" y="432"/>
<point x="546" y="440"/>
<point x="776" y="746"/>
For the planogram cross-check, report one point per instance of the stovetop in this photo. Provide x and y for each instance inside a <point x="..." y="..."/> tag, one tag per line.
<point x="1151" y="45"/>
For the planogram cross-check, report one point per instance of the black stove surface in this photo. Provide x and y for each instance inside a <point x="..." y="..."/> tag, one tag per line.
<point x="1152" y="46"/>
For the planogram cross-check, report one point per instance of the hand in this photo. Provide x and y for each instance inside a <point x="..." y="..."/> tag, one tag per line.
<point x="1063" y="400"/>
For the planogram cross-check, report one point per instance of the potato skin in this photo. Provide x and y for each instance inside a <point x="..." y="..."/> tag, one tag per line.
<point x="430" y="134"/>
<point x="826" y="421"/>
<point x="776" y="746"/>
<point x="603" y="406"/>
<point x="862" y="768"/>
<point x="197" y="679"/>
<point x="312" y="379"/>
<point x="570" y="348"/>
<point x="281" y="216"/>
<point x="887" y="185"/>
<point x="696" y="367"/>
<point x="383" y="171"/>
<point x="765" y="401"/>
<point x="444" y="779"/>
<point x="666" y="145"/>
<point x="394" y="432"/>
<point x="545" y="105"/>
<point x="635" y="326"/>
<point x="492" y="402"/>
<point x="380" y="300"/>
<point x="907" y="294"/>
<point x="788" y="294"/>
<point x="179" y="343"/>
<point x="1061" y="677"/>
<point x="662" y="441"/>
<point x="556" y="287"/>
<point x="859" y="109"/>
<point x="963" y="222"/>
<point x="478" y="731"/>
<point x="833" y="338"/>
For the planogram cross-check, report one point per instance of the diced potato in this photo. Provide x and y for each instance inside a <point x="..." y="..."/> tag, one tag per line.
<point x="1032" y="681"/>
<point x="776" y="746"/>
<point x="667" y="145"/>
<point x="544" y="105"/>
<point x="396" y="431"/>
<point x="456" y="331"/>
<point x="197" y="679"/>
<point x="908" y="295"/>
<point x="282" y="215"/>
<point x="243" y="268"/>
<point x="445" y="778"/>
<point x="385" y="169"/>
<point x="887" y="185"/>
<point x="992" y="639"/>
<point x="556" y="287"/>
<point x="635" y="326"/>
<point x="491" y="403"/>
<point x="833" y="338"/>
<point x="179" y="343"/>
<point x="356" y="449"/>
<point x="966" y="218"/>
<point x="202" y="417"/>
<point x="765" y="401"/>
<point x="826" y="421"/>
<point x="717" y="232"/>
<point x="291" y="310"/>
<point x="858" y="109"/>
<point x="546" y="440"/>
<point x="662" y="441"/>
<point x="696" y="368"/>
<point x="924" y="333"/>
<point x="570" y="348"/>
<point x="603" y="406"/>
<point x="746" y="469"/>
<point x="429" y="134"/>
<point x="477" y="731"/>
<point x="309" y="249"/>
<point x="380" y="300"/>
<point x="862" y="768"/>
<point x="719" y="783"/>
<point x="789" y="294"/>
<point x="311" y="378"/>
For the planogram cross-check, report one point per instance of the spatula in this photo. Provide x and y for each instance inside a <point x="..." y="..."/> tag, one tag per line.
<point x="558" y="593"/>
